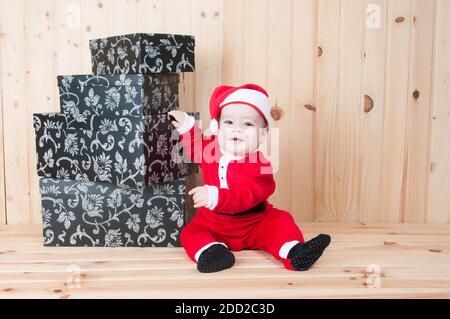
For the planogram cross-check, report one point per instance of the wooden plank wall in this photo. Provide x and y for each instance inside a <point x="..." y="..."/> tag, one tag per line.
<point x="362" y="86"/>
<point x="2" y="157"/>
<point x="42" y="39"/>
<point x="363" y="108"/>
<point x="16" y="120"/>
<point x="438" y="189"/>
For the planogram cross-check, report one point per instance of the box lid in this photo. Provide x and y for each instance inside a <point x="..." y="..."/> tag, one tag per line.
<point x="136" y="40"/>
<point x="144" y="123"/>
<point x="109" y="80"/>
<point x="58" y="187"/>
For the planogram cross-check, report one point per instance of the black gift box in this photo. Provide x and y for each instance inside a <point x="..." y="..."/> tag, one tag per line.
<point x="84" y="213"/>
<point x="118" y="151"/>
<point x="88" y="99"/>
<point x="143" y="53"/>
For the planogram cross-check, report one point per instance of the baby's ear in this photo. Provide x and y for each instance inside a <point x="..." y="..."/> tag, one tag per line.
<point x="263" y="133"/>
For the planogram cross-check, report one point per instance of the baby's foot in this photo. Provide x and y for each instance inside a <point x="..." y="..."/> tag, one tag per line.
<point x="215" y="258"/>
<point x="304" y="255"/>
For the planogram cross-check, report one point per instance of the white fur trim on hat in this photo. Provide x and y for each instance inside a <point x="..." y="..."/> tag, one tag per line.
<point x="253" y="97"/>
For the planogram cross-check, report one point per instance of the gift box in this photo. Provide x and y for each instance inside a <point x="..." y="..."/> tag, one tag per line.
<point x="84" y="213"/>
<point x="143" y="53"/>
<point x="115" y="152"/>
<point x="99" y="97"/>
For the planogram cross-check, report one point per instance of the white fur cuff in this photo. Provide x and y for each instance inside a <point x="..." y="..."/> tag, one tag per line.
<point x="199" y="252"/>
<point x="189" y="122"/>
<point x="213" y="196"/>
<point x="284" y="250"/>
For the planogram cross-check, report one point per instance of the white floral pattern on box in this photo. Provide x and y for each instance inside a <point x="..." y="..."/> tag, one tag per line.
<point x="143" y="53"/>
<point x="84" y="213"/>
<point x="116" y="152"/>
<point x="88" y="100"/>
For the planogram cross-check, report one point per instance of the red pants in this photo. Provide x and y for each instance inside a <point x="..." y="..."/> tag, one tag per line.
<point x="267" y="230"/>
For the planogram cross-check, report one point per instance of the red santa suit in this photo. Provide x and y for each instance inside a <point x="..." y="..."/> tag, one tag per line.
<point x="238" y="214"/>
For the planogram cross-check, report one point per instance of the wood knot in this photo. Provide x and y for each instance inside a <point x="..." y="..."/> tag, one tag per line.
<point x="319" y="51"/>
<point x="88" y="28"/>
<point x="276" y="113"/>
<point x="416" y="94"/>
<point x="100" y="5"/>
<point x="203" y="14"/>
<point x="435" y="250"/>
<point x="399" y="19"/>
<point x="310" y="107"/>
<point x="368" y="103"/>
<point x="57" y="291"/>
<point x="389" y="243"/>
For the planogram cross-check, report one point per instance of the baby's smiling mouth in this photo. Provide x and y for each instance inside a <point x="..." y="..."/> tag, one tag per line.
<point x="237" y="139"/>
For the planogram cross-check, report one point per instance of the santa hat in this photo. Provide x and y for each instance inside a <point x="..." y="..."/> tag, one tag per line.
<point x="250" y="94"/>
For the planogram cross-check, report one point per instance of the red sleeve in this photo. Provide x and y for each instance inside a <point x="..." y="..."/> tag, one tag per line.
<point x="252" y="190"/>
<point x="191" y="141"/>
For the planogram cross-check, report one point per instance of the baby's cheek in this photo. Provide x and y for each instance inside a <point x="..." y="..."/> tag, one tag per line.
<point x="221" y="134"/>
<point x="252" y="136"/>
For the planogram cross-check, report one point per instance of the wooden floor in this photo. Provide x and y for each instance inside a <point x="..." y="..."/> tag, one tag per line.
<point x="363" y="261"/>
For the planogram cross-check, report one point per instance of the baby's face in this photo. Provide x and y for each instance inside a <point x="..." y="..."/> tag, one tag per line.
<point x="241" y="129"/>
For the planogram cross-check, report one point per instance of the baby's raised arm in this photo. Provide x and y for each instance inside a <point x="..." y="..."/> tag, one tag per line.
<point x="191" y="136"/>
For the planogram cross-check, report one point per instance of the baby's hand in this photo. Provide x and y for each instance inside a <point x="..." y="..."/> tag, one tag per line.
<point x="179" y="118"/>
<point x="200" y="196"/>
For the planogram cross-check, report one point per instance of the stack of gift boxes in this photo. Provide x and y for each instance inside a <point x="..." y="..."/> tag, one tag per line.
<point x="110" y="161"/>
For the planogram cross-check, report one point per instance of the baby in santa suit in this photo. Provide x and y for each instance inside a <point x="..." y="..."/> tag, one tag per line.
<point x="234" y="213"/>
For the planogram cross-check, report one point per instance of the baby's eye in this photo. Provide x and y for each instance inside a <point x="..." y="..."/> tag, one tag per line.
<point x="248" y="124"/>
<point x="228" y="122"/>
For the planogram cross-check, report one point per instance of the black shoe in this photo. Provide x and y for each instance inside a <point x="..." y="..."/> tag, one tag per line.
<point x="304" y="255"/>
<point x="215" y="258"/>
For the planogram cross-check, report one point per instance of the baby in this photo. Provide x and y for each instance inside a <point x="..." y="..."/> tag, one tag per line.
<point x="234" y="213"/>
